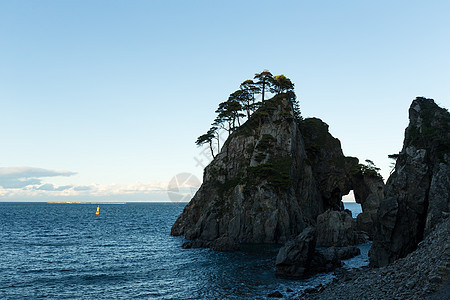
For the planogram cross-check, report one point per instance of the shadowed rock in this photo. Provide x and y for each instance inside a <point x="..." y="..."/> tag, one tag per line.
<point x="295" y="257"/>
<point x="272" y="178"/>
<point x="299" y="258"/>
<point x="369" y="192"/>
<point x="417" y="192"/>
<point x="259" y="188"/>
<point x="335" y="228"/>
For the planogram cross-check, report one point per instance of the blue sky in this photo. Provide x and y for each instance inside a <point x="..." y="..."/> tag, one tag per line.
<point x="106" y="98"/>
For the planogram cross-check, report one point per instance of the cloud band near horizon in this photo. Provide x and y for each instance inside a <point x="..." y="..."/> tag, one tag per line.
<point x="21" y="177"/>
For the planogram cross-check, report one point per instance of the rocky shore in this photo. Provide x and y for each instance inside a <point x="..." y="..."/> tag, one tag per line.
<point x="423" y="274"/>
<point x="279" y="180"/>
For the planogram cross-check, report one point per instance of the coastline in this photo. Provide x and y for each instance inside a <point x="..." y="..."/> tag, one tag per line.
<point x="422" y="274"/>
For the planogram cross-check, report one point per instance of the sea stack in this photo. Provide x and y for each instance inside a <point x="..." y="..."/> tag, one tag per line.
<point x="418" y="191"/>
<point x="272" y="178"/>
<point x="259" y="188"/>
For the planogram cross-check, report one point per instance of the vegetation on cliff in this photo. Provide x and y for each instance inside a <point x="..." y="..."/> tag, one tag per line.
<point x="243" y="104"/>
<point x="368" y="169"/>
<point x="423" y="135"/>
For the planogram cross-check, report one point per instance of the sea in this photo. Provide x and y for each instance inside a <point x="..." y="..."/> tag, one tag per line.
<point x="66" y="251"/>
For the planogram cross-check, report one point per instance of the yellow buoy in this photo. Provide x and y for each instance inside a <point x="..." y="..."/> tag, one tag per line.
<point x="98" y="210"/>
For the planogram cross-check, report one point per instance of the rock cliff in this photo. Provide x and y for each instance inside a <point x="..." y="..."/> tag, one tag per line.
<point x="331" y="169"/>
<point x="259" y="189"/>
<point x="337" y="174"/>
<point x="418" y="191"/>
<point x="273" y="177"/>
<point x="271" y="180"/>
<point x="368" y="189"/>
<point x="336" y="228"/>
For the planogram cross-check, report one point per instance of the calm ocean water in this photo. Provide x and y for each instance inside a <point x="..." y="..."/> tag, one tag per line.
<point x="65" y="251"/>
<point x="354" y="207"/>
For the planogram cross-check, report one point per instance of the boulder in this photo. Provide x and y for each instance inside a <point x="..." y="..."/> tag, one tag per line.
<point x="294" y="258"/>
<point x="300" y="259"/>
<point x="341" y="253"/>
<point x="323" y="261"/>
<point x="195" y="244"/>
<point x="387" y="217"/>
<point x="224" y="243"/>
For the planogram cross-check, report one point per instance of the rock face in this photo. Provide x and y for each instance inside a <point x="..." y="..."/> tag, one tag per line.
<point x="335" y="228"/>
<point x="273" y="177"/>
<point x="337" y="174"/>
<point x="299" y="258"/>
<point x="417" y="276"/>
<point x="332" y="170"/>
<point x="417" y="192"/>
<point x="342" y="253"/>
<point x="369" y="192"/>
<point x="295" y="257"/>
<point x="271" y="180"/>
<point x="259" y="189"/>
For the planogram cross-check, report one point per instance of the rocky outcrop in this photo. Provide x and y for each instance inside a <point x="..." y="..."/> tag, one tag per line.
<point x="332" y="170"/>
<point x="335" y="228"/>
<point x="295" y="257"/>
<point x="299" y="258"/>
<point x="439" y="194"/>
<point x="271" y="180"/>
<point x="417" y="276"/>
<point x="324" y="261"/>
<point x="333" y="235"/>
<point x="259" y="189"/>
<point x="342" y="253"/>
<point x="368" y="190"/>
<point x="417" y="192"/>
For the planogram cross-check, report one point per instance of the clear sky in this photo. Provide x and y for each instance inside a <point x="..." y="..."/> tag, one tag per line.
<point x="104" y="99"/>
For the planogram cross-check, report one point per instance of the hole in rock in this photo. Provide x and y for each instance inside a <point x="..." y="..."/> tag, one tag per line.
<point x="350" y="204"/>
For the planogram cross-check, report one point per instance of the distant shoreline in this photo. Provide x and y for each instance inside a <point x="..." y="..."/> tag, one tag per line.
<point x="86" y="202"/>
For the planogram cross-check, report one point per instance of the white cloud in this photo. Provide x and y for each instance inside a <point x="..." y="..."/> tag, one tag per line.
<point x="51" y="187"/>
<point x="21" y="177"/>
<point x="139" y="191"/>
<point x="82" y="188"/>
<point x="25" y="184"/>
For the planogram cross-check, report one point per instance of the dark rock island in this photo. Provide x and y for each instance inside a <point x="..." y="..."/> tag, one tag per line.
<point x="269" y="182"/>
<point x="279" y="179"/>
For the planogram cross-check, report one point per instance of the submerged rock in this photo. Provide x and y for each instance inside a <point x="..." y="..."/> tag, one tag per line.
<point x="417" y="192"/>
